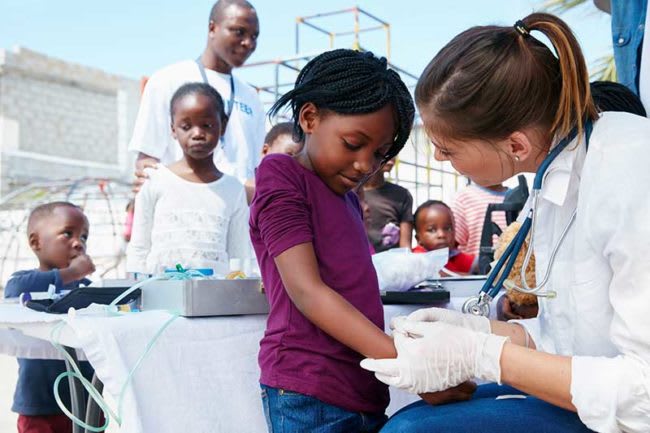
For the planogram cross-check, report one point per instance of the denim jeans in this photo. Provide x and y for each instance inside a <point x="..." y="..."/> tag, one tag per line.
<point x="291" y="412"/>
<point x="484" y="413"/>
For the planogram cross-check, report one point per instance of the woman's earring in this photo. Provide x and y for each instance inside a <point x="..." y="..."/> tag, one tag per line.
<point x="517" y="158"/>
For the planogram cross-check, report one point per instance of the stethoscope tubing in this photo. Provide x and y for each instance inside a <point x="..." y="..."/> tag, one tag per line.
<point x="509" y="256"/>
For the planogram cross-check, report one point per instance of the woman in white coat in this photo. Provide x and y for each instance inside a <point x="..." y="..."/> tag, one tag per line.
<point x="494" y="101"/>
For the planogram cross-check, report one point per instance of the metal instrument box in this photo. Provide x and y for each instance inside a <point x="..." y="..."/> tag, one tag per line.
<point x="210" y="297"/>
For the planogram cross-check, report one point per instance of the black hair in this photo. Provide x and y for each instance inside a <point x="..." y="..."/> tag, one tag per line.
<point x="350" y="82"/>
<point x="200" y="89"/>
<point x="216" y="13"/>
<point x="282" y="128"/>
<point x="427" y="204"/>
<point x="610" y="96"/>
<point x="45" y="210"/>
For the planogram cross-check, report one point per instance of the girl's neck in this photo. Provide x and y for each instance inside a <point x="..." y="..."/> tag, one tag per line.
<point x="303" y="159"/>
<point x="214" y="62"/>
<point x="196" y="170"/>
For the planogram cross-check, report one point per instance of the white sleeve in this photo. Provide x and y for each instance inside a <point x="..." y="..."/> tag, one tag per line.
<point x="152" y="130"/>
<point x="613" y="394"/>
<point x="239" y="241"/>
<point x="260" y="128"/>
<point x="140" y="243"/>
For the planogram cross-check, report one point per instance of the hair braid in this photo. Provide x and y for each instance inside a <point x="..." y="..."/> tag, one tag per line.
<point x="351" y="82"/>
<point x="203" y="89"/>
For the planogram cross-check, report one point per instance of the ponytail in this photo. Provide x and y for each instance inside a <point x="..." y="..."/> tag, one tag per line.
<point x="575" y="104"/>
<point x="490" y="81"/>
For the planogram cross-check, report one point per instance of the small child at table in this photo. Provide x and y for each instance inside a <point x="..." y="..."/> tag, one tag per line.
<point x="434" y="229"/>
<point x="57" y="234"/>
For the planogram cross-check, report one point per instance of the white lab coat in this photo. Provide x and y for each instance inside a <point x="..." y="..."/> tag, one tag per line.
<point x="601" y="316"/>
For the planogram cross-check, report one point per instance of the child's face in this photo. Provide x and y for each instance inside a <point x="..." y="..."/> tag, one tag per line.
<point x="196" y="126"/>
<point x="434" y="228"/>
<point x="282" y="144"/>
<point x="486" y="163"/>
<point x="344" y="149"/>
<point x="58" y="238"/>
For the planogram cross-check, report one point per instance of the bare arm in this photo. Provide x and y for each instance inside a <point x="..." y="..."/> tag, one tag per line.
<point x="80" y="267"/>
<point x="543" y="375"/>
<point x="405" y="235"/>
<point x="327" y="309"/>
<point x="143" y="161"/>
<point x="517" y="333"/>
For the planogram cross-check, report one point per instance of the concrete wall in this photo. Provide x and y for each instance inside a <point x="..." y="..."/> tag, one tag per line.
<point x="62" y="120"/>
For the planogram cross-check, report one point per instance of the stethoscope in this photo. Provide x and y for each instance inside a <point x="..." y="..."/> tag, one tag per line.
<point x="480" y="305"/>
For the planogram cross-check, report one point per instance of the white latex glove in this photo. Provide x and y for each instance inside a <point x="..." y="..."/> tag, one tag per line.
<point x="435" y="356"/>
<point x="469" y="321"/>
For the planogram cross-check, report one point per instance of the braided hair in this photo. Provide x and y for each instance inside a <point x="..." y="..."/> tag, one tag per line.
<point x="610" y="96"/>
<point x="351" y="82"/>
<point x="200" y="89"/>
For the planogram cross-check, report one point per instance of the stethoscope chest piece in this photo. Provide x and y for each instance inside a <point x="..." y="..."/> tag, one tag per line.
<point x="475" y="307"/>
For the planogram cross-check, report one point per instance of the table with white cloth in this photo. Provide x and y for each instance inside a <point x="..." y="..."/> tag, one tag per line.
<point x="201" y="374"/>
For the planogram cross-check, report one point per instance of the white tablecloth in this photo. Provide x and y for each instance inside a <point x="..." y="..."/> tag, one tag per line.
<point x="201" y="375"/>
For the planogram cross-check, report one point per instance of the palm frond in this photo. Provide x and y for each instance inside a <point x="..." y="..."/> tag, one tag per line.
<point x="560" y="6"/>
<point x="604" y="69"/>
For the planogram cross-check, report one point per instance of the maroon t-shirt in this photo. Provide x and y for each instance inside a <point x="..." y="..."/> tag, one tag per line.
<point x="291" y="206"/>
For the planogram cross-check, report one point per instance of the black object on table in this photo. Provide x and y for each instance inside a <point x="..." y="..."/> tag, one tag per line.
<point x="415" y="297"/>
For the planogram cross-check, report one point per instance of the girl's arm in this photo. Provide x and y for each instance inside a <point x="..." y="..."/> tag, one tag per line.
<point x="238" y="241"/>
<point x="405" y="235"/>
<point x="327" y="309"/>
<point x="140" y="243"/>
<point x="406" y="222"/>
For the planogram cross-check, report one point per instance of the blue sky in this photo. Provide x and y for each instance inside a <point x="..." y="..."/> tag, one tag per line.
<point x="134" y="38"/>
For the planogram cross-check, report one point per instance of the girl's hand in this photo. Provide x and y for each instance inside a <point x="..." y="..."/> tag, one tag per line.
<point x="143" y="161"/>
<point x="462" y="392"/>
<point x="504" y="310"/>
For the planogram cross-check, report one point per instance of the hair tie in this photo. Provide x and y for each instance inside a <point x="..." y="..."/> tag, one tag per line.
<point x="522" y="29"/>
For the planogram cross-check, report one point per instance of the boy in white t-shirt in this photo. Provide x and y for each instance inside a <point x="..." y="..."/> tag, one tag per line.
<point x="232" y="38"/>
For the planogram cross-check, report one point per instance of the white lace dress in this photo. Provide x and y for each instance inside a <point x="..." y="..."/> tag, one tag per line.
<point x="198" y="225"/>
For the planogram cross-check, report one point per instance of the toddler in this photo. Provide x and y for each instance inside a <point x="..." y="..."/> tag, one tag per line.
<point x="434" y="229"/>
<point x="57" y="234"/>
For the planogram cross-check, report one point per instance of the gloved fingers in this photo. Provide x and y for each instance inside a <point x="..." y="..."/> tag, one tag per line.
<point x="395" y="381"/>
<point x="427" y="314"/>
<point x="424" y="329"/>
<point x="384" y="367"/>
<point x="396" y="321"/>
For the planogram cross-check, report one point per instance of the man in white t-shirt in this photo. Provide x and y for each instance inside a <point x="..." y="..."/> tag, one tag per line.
<point x="232" y="37"/>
